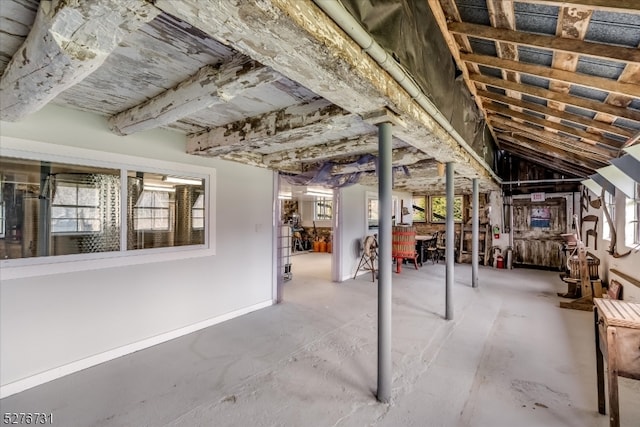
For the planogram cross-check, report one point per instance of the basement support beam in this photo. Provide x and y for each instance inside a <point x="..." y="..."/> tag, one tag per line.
<point x="450" y="243"/>
<point x="69" y="40"/>
<point x="384" y="262"/>
<point x="475" y="234"/>
<point x="210" y="85"/>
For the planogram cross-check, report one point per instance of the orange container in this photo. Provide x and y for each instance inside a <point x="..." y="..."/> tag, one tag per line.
<point x="316" y="246"/>
<point x="323" y="246"/>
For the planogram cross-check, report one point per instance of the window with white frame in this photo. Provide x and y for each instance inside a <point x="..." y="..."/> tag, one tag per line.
<point x="197" y="213"/>
<point x="323" y="208"/>
<point x="609" y="204"/>
<point x="56" y="208"/>
<point x="632" y="216"/>
<point x="151" y="211"/>
<point x="76" y="208"/>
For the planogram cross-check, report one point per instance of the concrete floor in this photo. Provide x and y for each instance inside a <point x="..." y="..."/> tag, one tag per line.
<point x="510" y="357"/>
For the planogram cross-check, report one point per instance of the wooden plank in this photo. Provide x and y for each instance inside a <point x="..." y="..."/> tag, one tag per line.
<point x="626" y="6"/>
<point x="626" y="277"/>
<point x="587" y="104"/>
<point x="572" y="23"/>
<point x="619" y="313"/>
<point x="210" y="85"/>
<point x="589" y="138"/>
<point x="559" y="115"/>
<point x="68" y="41"/>
<point x="594" y="152"/>
<point x="592" y="49"/>
<point x="549" y="73"/>
<point x="612" y="376"/>
<point x="538" y="155"/>
<point x="573" y="158"/>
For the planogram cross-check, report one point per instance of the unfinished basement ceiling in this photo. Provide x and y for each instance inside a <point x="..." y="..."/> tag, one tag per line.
<point x="558" y="82"/>
<point x="277" y="84"/>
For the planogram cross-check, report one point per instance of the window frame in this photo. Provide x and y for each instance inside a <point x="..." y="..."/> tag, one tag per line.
<point x="77" y="207"/>
<point x="455" y="197"/>
<point x="327" y="205"/>
<point x="42" y="151"/>
<point x="424" y="212"/>
<point x="610" y="202"/>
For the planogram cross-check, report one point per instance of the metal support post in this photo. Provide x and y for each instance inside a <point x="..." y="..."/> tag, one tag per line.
<point x="450" y="244"/>
<point x="475" y="234"/>
<point x="384" y="251"/>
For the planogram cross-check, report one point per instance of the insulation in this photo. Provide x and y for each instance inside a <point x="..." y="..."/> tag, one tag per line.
<point x="408" y="30"/>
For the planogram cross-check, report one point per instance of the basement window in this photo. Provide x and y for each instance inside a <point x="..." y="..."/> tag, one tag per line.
<point x="438" y="209"/>
<point x="323" y="208"/>
<point x="419" y="205"/>
<point x="632" y="214"/>
<point x="168" y="210"/>
<point x="610" y="204"/>
<point x="76" y="209"/>
<point x="53" y="213"/>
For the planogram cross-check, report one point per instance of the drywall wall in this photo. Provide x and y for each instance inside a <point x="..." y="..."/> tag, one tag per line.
<point x="627" y="264"/>
<point x="354" y="224"/>
<point x="53" y="324"/>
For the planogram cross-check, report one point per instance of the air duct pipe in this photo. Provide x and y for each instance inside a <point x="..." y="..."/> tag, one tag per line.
<point x="336" y="11"/>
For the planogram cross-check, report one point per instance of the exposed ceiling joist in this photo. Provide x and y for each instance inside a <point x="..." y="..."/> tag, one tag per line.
<point x="545" y="160"/>
<point x="537" y="134"/>
<point x="598" y="83"/>
<point x="595" y="50"/>
<point x="559" y="115"/>
<point x="587" y="137"/>
<point x="627" y="6"/>
<point x="577" y="101"/>
<point x="588" y="165"/>
<point x="69" y="40"/>
<point x="210" y="85"/>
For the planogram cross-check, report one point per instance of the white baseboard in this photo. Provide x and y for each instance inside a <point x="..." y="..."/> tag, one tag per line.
<point x="55" y="373"/>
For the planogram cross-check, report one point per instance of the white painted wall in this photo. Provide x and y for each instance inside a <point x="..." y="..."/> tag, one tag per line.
<point x="627" y="264"/>
<point x="354" y="224"/>
<point x="52" y="325"/>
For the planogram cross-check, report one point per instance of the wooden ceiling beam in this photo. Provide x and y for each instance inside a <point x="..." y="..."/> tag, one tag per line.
<point x="592" y="49"/>
<point x="559" y="115"/>
<point x="210" y="85"/>
<point x="548" y="162"/>
<point x="552" y="150"/>
<point x="290" y="128"/>
<point x="587" y="104"/>
<point x="594" y="82"/>
<point x="626" y="6"/>
<point x="568" y="144"/>
<point x="68" y="41"/>
<point x="579" y="133"/>
<point x="321" y="152"/>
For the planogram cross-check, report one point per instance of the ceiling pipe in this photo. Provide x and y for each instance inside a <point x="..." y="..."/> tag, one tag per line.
<point x="544" y="181"/>
<point x="336" y="11"/>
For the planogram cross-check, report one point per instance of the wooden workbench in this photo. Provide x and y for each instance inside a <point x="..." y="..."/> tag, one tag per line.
<point x="617" y="334"/>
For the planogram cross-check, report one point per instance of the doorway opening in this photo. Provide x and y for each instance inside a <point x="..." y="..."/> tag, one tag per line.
<point x="306" y="232"/>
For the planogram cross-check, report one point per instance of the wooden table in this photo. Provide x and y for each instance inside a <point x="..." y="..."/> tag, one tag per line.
<point x="617" y="334"/>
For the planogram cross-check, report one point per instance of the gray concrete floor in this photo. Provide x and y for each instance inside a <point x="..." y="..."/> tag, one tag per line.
<point x="510" y="357"/>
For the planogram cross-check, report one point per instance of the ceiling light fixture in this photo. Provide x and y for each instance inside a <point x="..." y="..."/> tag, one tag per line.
<point x="179" y="180"/>
<point x="159" y="188"/>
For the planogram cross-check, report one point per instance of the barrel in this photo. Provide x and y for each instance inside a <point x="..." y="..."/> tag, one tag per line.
<point x="323" y="246"/>
<point x="403" y="242"/>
